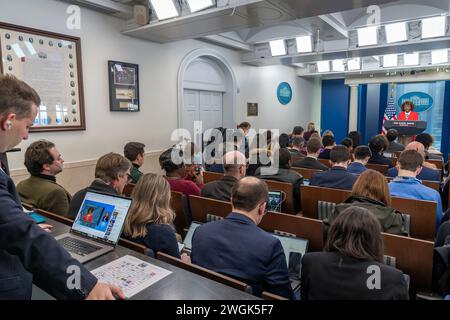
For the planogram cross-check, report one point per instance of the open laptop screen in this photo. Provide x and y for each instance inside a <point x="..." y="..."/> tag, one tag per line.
<point x="188" y="238"/>
<point x="102" y="216"/>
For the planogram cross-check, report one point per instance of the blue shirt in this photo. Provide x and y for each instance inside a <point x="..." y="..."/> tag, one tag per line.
<point x="356" y="168"/>
<point x="412" y="188"/>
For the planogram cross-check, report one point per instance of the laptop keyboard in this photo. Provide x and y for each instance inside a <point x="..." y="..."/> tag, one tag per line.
<point x="78" y="247"/>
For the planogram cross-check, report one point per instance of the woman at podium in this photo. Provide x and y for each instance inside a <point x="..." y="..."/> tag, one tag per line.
<point x="408" y="112"/>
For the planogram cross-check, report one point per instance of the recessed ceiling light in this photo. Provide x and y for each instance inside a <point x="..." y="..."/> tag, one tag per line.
<point x="277" y="48"/>
<point x="396" y="32"/>
<point x="439" y="56"/>
<point x="354" y="64"/>
<point x="433" y="27"/>
<point x="338" y="65"/>
<point x="304" y="44"/>
<point x="164" y="9"/>
<point x="367" y="36"/>
<point x="411" y="59"/>
<point x="197" y="5"/>
<point x="390" y="60"/>
<point x="323" y="66"/>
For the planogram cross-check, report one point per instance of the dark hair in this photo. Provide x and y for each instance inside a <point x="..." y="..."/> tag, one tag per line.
<point x="378" y="144"/>
<point x="356" y="233"/>
<point x="408" y="102"/>
<point x="298" y="141"/>
<point x="391" y="135"/>
<point x="283" y="140"/>
<point x="17" y="97"/>
<point x="410" y="160"/>
<point x="313" y="145"/>
<point x="244" y="125"/>
<point x="328" y="141"/>
<point x="284" y="157"/>
<point x="339" y="154"/>
<point x="166" y="162"/>
<point x="110" y="166"/>
<point x="361" y="152"/>
<point x="133" y="149"/>
<point x="248" y="193"/>
<point x="298" y="130"/>
<point x="348" y="142"/>
<point x="38" y="154"/>
<point x="426" y="139"/>
<point x="356" y="138"/>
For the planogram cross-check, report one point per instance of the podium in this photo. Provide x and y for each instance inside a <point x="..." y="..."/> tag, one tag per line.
<point x="406" y="129"/>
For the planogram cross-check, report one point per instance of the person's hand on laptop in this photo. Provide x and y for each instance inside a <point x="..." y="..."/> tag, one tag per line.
<point x="104" y="291"/>
<point x="46" y="227"/>
<point x="185" y="258"/>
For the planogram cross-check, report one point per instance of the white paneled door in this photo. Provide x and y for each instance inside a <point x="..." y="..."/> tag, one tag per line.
<point x="205" y="106"/>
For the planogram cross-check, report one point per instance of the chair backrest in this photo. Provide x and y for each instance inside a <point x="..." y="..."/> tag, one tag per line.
<point x="211" y="176"/>
<point x="305" y="172"/>
<point x="301" y="227"/>
<point x="382" y="168"/>
<point x="200" y="208"/>
<point x="134" y="246"/>
<point x="288" y="205"/>
<point x="325" y="162"/>
<point x="177" y="201"/>
<point x="436" y="185"/>
<point x="413" y="257"/>
<point x="423" y="213"/>
<point x="215" y="276"/>
<point x="128" y="189"/>
<point x="437" y="162"/>
<point x="393" y="160"/>
<point x="270" y="296"/>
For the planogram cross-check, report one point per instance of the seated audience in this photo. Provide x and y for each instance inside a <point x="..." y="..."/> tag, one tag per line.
<point x="134" y="151"/>
<point x="377" y="146"/>
<point x="310" y="129"/>
<point x="310" y="161"/>
<point x="297" y="147"/>
<point x="283" y="140"/>
<point x="176" y="173"/>
<point x="362" y="156"/>
<point x="371" y="192"/>
<point x="328" y="143"/>
<point x="259" y="152"/>
<point x="237" y="247"/>
<point x="112" y="173"/>
<point x="393" y="146"/>
<point x="443" y="235"/>
<point x="328" y="133"/>
<point x="406" y="185"/>
<point x="234" y="165"/>
<point x="427" y="140"/>
<point x="345" y="270"/>
<point x="150" y="219"/>
<point x="41" y="191"/>
<point x="285" y="174"/>
<point x="428" y="172"/>
<point x="356" y="138"/>
<point x="337" y="177"/>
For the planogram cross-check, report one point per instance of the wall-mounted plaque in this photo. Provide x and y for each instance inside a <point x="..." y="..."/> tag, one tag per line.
<point x="252" y="109"/>
<point x="51" y="64"/>
<point x="123" y="86"/>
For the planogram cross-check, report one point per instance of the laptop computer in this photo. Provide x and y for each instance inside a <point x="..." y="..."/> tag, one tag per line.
<point x="274" y="199"/>
<point x="97" y="226"/>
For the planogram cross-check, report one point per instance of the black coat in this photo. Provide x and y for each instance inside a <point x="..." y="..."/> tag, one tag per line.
<point x="219" y="189"/>
<point x="336" y="177"/>
<point x="310" y="163"/>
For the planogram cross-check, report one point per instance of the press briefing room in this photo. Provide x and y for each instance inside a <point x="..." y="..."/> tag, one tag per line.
<point x="264" y="152"/>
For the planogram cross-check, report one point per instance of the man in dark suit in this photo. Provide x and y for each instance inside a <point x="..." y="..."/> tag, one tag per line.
<point x="393" y="146"/>
<point x="237" y="247"/>
<point x="362" y="156"/>
<point x="328" y="143"/>
<point x="310" y="161"/>
<point x="427" y="172"/>
<point x="337" y="177"/>
<point x="297" y="145"/>
<point x="235" y="168"/>
<point x="28" y="253"/>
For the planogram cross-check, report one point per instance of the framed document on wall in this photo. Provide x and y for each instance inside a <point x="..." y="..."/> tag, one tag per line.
<point x="51" y="64"/>
<point x="123" y="86"/>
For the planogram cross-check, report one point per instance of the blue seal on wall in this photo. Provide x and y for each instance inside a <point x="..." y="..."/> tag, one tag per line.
<point x="422" y="101"/>
<point x="284" y="93"/>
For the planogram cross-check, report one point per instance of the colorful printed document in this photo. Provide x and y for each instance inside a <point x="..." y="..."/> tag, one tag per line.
<point x="130" y="274"/>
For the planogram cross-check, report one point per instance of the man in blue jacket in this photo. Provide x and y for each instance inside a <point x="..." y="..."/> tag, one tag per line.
<point x="406" y="185"/>
<point x="426" y="173"/>
<point x="337" y="177"/>
<point x="28" y="253"/>
<point x="237" y="247"/>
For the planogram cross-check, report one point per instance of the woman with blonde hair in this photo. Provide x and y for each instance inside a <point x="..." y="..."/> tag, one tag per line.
<point x="371" y="191"/>
<point x="150" y="220"/>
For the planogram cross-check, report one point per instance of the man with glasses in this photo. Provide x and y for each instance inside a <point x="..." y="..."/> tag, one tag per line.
<point x="237" y="247"/>
<point x="234" y="165"/>
<point x="112" y="174"/>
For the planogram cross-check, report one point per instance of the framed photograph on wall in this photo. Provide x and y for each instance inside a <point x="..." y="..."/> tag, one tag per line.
<point x="123" y="86"/>
<point x="51" y="64"/>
